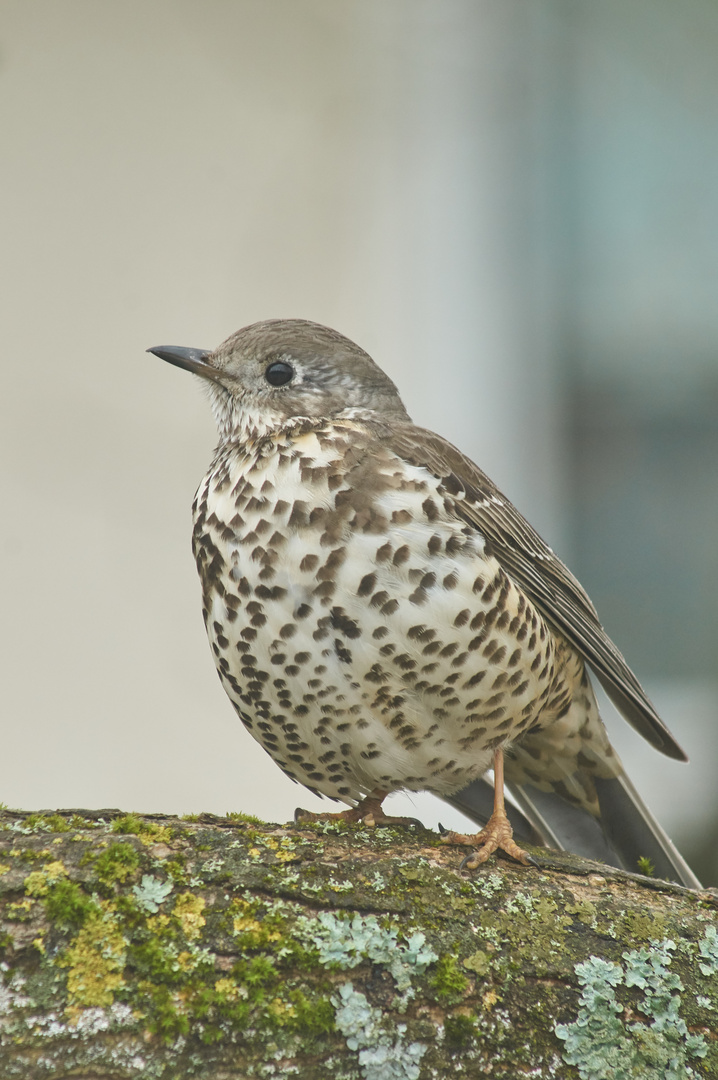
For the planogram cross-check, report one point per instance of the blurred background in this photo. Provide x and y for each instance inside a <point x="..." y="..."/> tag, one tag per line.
<point x="513" y="207"/>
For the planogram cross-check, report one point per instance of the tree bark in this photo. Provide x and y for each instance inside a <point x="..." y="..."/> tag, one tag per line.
<point x="152" y="946"/>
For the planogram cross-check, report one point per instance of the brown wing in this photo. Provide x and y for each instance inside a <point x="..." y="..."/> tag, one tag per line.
<point x="532" y="565"/>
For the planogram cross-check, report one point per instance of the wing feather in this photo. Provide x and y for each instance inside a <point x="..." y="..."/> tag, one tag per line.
<point x="531" y="563"/>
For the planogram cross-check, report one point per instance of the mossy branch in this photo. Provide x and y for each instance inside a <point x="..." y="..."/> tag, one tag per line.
<point x="150" y="946"/>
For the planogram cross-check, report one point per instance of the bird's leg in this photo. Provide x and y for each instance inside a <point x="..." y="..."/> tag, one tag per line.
<point x="497" y="833"/>
<point x="368" y="811"/>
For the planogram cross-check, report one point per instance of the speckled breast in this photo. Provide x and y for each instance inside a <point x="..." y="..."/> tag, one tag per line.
<point x="359" y="628"/>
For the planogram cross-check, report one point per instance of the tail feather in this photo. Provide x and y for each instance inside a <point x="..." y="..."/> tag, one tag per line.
<point x="634" y="833"/>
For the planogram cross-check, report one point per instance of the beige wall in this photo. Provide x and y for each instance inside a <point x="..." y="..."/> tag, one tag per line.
<point x="174" y="170"/>
<point x="475" y="190"/>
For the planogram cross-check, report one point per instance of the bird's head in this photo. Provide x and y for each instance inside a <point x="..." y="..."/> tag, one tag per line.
<point x="275" y="371"/>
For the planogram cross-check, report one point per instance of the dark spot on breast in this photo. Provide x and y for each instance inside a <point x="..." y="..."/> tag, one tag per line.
<point x="325" y="589"/>
<point x="333" y="562"/>
<point x="455" y="544"/>
<point x="265" y="593"/>
<point x="367" y="585"/>
<point x="299" y="516"/>
<point x="430" y="509"/>
<point x="434" y="544"/>
<point x="343" y="654"/>
<point x="341" y="621"/>
<point x="256" y="504"/>
<point x="401" y="517"/>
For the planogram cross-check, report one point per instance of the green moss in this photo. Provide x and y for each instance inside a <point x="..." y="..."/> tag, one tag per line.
<point x="148" y="831"/>
<point x="176" y="869"/>
<point x="117" y="863"/>
<point x="129" y="824"/>
<point x="47" y="823"/>
<point x="459" y="1031"/>
<point x="164" y="1017"/>
<point x="313" y="1016"/>
<point x="448" y="983"/>
<point x="239" y="818"/>
<point x="645" y="866"/>
<point x="67" y="905"/>
<point x="95" y="960"/>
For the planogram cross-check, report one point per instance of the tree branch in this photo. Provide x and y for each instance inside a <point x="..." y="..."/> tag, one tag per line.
<point x="151" y="946"/>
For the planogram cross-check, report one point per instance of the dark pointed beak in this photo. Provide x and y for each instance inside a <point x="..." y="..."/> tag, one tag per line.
<point x="194" y="360"/>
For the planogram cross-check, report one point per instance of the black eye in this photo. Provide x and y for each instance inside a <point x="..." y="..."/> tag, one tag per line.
<point x="279" y="374"/>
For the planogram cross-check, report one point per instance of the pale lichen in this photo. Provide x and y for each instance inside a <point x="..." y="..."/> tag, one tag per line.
<point x="382" y="1055"/>
<point x="708" y="948"/>
<point x="604" y="1047"/>
<point x="151" y="893"/>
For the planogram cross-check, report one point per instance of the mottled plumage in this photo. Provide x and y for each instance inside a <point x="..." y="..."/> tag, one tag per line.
<point x="381" y="616"/>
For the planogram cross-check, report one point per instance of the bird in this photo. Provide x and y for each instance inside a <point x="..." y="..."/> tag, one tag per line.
<point x="382" y="618"/>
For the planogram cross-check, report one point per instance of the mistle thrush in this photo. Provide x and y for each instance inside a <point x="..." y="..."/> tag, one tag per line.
<point x="382" y="618"/>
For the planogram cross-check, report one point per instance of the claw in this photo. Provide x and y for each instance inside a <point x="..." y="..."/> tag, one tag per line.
<point x="367" y="812"/>
<point x="497" y="835"/>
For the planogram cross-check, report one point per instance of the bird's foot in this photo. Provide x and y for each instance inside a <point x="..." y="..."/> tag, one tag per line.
<point x="368" y="812"/>
<point x="497" y="835"/>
